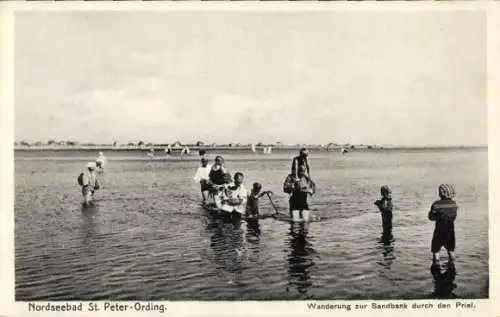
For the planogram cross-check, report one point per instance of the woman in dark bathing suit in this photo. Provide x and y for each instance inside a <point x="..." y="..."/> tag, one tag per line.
<point x="218" y="176"/>
<point x="218" y="172"/>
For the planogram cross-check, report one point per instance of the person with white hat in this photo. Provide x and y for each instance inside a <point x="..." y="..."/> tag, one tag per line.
<point x="89" y="183"/>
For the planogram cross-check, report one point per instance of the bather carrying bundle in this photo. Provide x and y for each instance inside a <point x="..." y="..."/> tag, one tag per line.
<point x="291" y="182"/>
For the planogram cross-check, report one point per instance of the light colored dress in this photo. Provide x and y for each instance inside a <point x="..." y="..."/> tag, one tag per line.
<point x="89" y="186"/>
<point x="235" y="193"/>
<point x="202" y="173"/>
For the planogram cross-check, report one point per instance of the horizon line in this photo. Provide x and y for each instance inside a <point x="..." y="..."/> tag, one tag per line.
<point x="235" y="144"/>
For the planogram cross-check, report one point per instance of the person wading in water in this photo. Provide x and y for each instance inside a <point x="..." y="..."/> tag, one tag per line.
<point x="302" y="187"/>
<point x="88" y="182"/>
<point x="234" y="200"/>
<point x="299" y="184"/>
<point x="202" y="177"/>
<point x="385" y="206"/>
<point x="444" y="213"/>
<point x="218" y="177"/>
<point x="101" y="162"/>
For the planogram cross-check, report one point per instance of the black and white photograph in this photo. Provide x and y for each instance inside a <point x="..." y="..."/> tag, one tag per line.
<point x="250" y="155"/>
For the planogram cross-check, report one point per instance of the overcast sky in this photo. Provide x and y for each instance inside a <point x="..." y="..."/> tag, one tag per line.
<point x="295" y="77"/>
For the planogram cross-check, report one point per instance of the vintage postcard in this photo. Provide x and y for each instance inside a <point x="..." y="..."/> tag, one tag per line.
<point x="249" y="159"/>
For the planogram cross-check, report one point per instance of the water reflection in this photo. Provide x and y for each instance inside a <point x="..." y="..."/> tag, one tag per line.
<point x="88" y="227"/>
<point x="300" y="257"/>
<point x="444" y="282"/>
<point x="253" y="239"/>
<point x="387" y="245"/>
<point x="227" y="243"/>
<point x="253" y="229"/>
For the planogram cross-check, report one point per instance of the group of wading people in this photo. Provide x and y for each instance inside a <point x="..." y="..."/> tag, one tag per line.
<point x="234" y="202"/>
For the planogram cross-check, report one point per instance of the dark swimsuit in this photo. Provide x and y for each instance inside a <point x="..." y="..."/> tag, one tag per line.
<point x="217" y="177"/>
<point x="385" y="206"/>
<point x="444" y="212"/>
<point x="252" y="208"/>
<point x="298" y="201"/>
<point x="299" y="164"/>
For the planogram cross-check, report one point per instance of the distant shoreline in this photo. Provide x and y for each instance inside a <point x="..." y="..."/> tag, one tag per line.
<point x="315" y="148"/>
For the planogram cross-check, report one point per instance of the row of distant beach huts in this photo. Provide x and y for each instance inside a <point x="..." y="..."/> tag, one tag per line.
<point x="183" y="148"/>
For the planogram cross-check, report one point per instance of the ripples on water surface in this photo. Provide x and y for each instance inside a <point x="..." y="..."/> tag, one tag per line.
<point x="147" y="237"/>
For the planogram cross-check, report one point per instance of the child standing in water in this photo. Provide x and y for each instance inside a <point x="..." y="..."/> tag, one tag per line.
<point x="444" y="213"/>
<point x="385" y="206"/>
<point x="252" y="208"/>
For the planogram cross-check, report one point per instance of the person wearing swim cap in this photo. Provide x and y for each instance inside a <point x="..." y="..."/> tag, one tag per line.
<point x="89" y="183"/>
<point x="444" y="213"/>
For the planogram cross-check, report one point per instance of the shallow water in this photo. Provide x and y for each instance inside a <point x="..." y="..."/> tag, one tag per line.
<point x="148" y="238"/>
